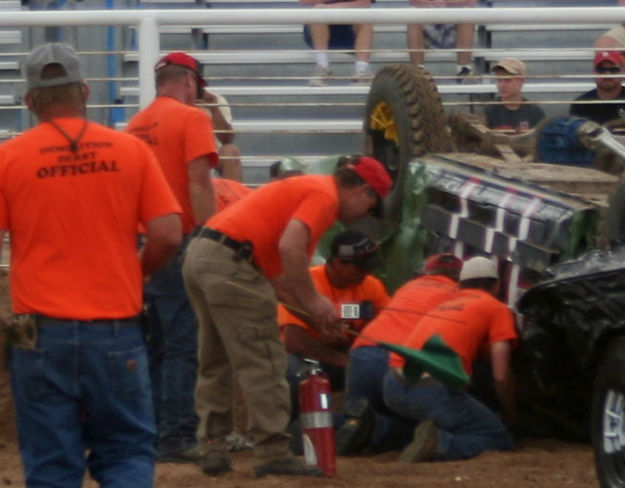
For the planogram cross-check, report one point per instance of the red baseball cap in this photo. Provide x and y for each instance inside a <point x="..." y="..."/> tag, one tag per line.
<point x="444" y="260"/>
<point x="182" y="59"/>
<point x="613" y="56"/>
<point x="373" y="172"/>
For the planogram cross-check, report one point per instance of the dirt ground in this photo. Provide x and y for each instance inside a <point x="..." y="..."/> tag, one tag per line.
<point x="540" y="463"/>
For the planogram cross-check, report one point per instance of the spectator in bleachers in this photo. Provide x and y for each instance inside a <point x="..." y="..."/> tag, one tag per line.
<point x="443" y="36"/>
<point x="513" y="113"/>
<point x="229" y="165"/>
<point x="613" y="38"/>
<point x="322" y="37"/>
<point x="609" y="88"/>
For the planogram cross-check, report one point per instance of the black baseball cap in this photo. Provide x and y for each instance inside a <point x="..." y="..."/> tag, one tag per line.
<point x="353" y="246"/>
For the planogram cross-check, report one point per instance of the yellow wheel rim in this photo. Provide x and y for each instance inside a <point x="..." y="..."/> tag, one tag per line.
<point x="382" y="119"/>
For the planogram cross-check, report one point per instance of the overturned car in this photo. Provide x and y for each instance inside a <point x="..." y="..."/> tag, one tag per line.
<point x="549" y="206"/>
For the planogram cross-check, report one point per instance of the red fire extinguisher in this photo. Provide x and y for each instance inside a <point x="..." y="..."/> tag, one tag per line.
<point x="316" y="418"/>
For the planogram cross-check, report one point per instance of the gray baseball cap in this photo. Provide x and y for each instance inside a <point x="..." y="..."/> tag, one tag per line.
<point x="52" y="53"/>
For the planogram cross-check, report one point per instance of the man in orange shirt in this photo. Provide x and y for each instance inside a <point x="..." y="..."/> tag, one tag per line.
<point x="181" y="136"/>
<point x="246" y="255"/>
<point x="369" y="426"/>
<point x="228" y="191"/>
<point x="345" y="279"/>
<point x="454" y="425"/>
<point x="72" y="196"/>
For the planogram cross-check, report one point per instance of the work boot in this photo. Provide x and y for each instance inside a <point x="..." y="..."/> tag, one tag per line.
<point x="355" y="434"/>
<point x="423" y="445"/>
<point x="215" y="463"/>
<point x="192" y="454"/>
<point x="289" y="466"/>
<point x="236" y="442"/>
<point x="296" y="443"/>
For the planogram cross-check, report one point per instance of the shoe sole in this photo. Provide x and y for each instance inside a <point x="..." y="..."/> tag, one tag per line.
<point x="423" y="446"/>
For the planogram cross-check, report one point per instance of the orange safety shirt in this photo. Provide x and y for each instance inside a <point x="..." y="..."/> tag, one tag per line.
<point x="370" y="288"/>
<point x="73" y="219"/>
<point x="262" y="216"/>
<point x="178" y="134"/>
<point x="228" y="191"/>
<point x="469" y="322"/>
<point x="407" y="306"/>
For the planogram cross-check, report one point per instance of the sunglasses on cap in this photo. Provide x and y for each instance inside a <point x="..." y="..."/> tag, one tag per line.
<point x="603" y="70"/>
<point x="357" y="251"/>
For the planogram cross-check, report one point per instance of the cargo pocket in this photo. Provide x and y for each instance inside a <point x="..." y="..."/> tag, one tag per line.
<point x="264" y="346"/>
<point x="129" y="373"/>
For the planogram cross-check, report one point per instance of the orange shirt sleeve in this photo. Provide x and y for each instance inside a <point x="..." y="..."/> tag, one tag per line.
<point x="376" y="292"/>
<point x="200" y="139"/>
<point x="318" y="213"/>
<point x="503" y="327"/>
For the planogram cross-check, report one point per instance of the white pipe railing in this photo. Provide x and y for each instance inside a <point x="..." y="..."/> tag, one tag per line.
<point x="148" y="21"/>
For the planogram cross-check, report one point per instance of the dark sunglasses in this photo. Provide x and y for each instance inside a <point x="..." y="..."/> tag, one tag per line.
<point x="604" y="70"/>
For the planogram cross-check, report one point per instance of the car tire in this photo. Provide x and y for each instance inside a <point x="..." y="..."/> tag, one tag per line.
<point x="608" y="417"/>
<point x="615" y="217"/>
<point x="404" y="119"/>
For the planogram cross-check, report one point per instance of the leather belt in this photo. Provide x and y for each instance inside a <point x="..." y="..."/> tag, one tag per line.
<point x="123" y="322"/>
<point x="242" y="250"/>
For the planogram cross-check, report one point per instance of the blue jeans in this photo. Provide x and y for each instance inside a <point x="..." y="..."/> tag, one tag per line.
<point x="465" y="426"/>
<point x="173" y="357"/>
<point x="84" y="386"/>
<point x="365" y="374"/>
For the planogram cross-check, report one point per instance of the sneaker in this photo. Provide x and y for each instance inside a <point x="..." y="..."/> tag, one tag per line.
<point x="319" y="76"/>
<point x="423" y="445"/>
<point x="464" y="75"/>
<point x="214" y="464"/>
<point x="356" y="432"/>
<point x="363" y="77"/>
<point x="190" y="455"/>
<point x="289" y="466"/>
<point x="236" y="442"/>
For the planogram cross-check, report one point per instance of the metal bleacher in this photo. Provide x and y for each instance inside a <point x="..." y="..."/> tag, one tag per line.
<point x="263" y="70"/>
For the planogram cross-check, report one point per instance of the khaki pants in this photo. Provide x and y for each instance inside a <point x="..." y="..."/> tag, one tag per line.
<point x="238" y="334"/>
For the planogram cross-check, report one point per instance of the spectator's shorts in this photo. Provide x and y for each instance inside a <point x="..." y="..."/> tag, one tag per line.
<point x="341" y="37"/>
<point x="440" y="36"/>
<point x="443" y="36"/>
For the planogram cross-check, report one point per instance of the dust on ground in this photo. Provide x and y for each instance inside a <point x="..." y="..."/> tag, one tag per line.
<point x="536" y="463"/>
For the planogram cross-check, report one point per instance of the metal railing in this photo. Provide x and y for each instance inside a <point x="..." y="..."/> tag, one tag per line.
<point x="138" y="90"/>
<point x="147" y="22"/>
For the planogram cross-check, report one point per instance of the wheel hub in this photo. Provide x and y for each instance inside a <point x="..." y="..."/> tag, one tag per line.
<point x="382" y="119"/>
<point x="614" y="422"/>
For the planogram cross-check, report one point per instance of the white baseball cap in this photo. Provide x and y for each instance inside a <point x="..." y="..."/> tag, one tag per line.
<point x="479" y="267"/>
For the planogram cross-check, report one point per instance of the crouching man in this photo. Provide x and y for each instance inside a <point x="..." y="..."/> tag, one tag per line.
<point x="454" y="425"/>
